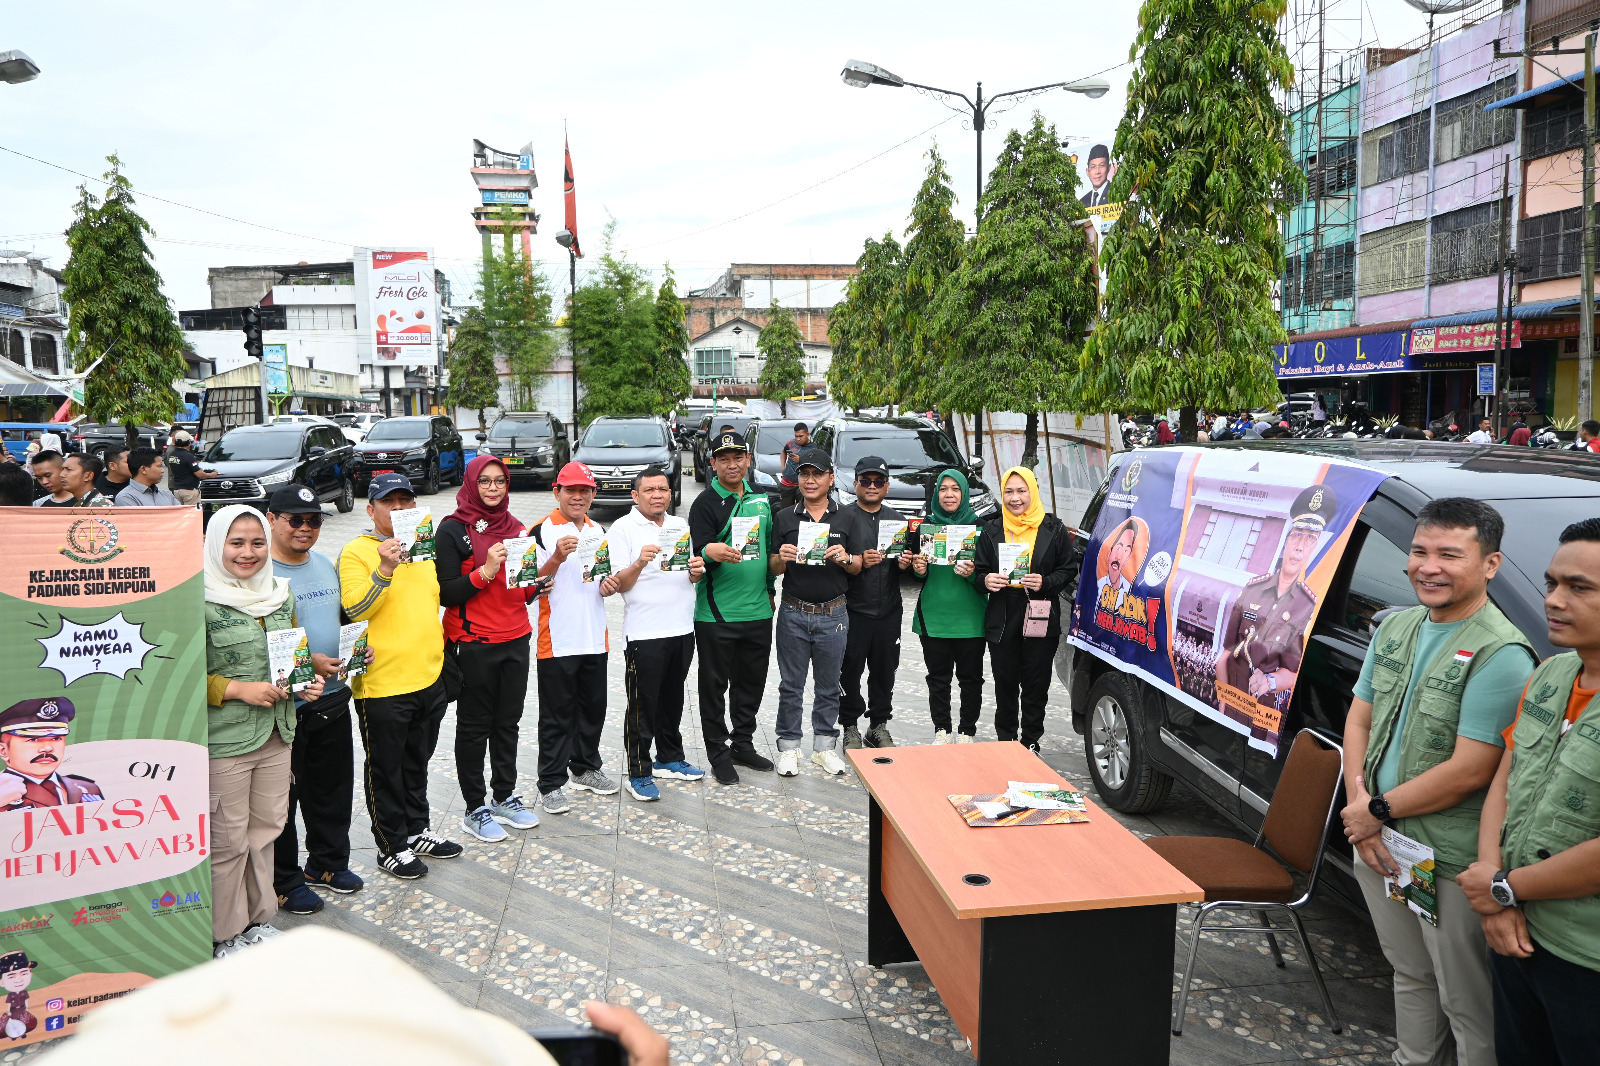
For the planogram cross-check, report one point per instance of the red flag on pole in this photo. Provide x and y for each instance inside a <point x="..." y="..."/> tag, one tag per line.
<point x="571" y="203"/>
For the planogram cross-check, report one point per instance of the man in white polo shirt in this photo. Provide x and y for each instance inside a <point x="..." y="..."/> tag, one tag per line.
<point x="572" y="648"/>
<point x="657" y="631"/>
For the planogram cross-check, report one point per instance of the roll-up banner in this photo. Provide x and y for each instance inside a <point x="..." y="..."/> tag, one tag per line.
<point x="104" y="881"/>
<point x="1205" y="570"/>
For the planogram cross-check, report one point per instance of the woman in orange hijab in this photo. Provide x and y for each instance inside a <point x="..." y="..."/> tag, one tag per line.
<point x="1023" y="621"/>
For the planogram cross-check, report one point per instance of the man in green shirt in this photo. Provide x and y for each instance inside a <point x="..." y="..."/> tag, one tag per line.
<point x="733" y="608"/>
<point x="1422" y="742"/>
<point x="1536" y="884"/>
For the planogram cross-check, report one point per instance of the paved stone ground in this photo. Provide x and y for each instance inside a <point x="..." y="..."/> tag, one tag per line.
<point x="733" y="918"/>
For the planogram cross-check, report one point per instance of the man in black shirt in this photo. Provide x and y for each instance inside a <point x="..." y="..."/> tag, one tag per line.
<point x="813" y="622"/>
<point x="183" y="470"/>
<point x="875" y="615"/>
<point x="115" y="477"/>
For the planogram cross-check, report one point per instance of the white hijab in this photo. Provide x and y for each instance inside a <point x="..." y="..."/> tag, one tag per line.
<point x="256" y="596"/>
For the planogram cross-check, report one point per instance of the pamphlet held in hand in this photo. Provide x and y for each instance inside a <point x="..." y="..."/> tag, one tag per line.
<point x="594" y="554"/>
<point x="812" y="545"/>
<point x="522" y="562"/>
<point x="1015" y="559"/>
<point x="289" y="659"/>
<point x="954" y="544"/>
<point x="673" y="540"/>
<point x="745" y="536"/>
<point x="1415" y="887"/>
<point x="892" y="537"/>
<point x="352" y="650"/>
<point x="413" y="528"/>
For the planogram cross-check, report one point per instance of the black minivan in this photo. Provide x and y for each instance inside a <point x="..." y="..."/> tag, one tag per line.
<point x="1138" y="739"/>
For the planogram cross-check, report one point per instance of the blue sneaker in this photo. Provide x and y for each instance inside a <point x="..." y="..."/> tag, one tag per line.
<point x="481" y="824"/>
<point x="300" y="900"/>
<point x="679" y="771"/>
<point x="512" y="812"/>
<point x="341" y="881"/>
<point x="643" y="789"/>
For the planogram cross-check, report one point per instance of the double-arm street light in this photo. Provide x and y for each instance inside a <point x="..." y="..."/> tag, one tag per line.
<point x="862" y="75"/>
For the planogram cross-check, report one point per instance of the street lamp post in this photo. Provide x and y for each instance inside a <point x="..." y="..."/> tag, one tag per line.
<point x="16" y="67"/>
<point x="862" y="75"/>
<point x="564" y="238"/>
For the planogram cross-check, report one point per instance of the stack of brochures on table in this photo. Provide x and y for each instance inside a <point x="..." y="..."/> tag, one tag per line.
<point x="1023" y="803"/>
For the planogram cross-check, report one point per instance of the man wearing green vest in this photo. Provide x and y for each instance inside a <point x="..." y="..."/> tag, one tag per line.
<point x="731" y="528"/>
<point x="1536" y="883"/>
<point x="1422" y="742"/>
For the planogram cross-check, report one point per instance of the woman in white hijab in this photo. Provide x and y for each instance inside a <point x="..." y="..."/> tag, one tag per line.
<point x="252" y="720"/>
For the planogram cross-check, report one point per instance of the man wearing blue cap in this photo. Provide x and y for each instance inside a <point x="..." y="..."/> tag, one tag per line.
<point x="33" y="744"/>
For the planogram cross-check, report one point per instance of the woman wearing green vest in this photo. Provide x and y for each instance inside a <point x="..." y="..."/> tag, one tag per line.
<point x="252" y="725"/>
<point x="949" y="616"/>
<point x="1536" y="884"/>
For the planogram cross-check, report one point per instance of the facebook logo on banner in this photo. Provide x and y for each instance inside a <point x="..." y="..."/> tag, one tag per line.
<point x="54" y="1022"/>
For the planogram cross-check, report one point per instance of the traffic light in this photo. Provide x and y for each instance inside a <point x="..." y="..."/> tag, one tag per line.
<point x="252" y="331"/>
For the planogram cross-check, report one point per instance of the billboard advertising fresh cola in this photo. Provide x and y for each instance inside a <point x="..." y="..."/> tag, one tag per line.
<point x="402" y="307"/>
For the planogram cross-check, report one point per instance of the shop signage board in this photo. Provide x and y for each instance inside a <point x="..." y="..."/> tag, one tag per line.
<point x="1205" y="571"/>
<point x="505" y="196"/>
<point x="1479" y="337"/>
<point x="1545" y="328"/>
<point x="1485" y="379"/>
<point x="104" y="881"/>
<point x="275" y="364"/>
<point x="1373" y="353"/>
<point x="402" y="307"/>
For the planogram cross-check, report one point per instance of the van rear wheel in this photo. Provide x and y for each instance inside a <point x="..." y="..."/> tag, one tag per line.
<point x="1114" y="748"/>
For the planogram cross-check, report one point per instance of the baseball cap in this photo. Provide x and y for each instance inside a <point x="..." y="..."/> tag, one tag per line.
<point x="727" y="442"/>
<point x="182" y="437"/>
<point x="872" y="464"/>
<point x="576" y="473"/>
<point x="384" y="484"/>
<point x="297" y="499"/>
<point x="815" y="458"/>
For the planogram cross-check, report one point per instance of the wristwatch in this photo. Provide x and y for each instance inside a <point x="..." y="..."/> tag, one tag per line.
<point x="1501" y="890"/>
<point x="1379" y="808"/>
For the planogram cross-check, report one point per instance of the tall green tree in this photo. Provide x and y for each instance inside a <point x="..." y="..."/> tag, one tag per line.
<point x="783" y="375"/>
<point x="474" y="377"/>
<point x="1015" y="310"/>
<point x="671" y="374"/>
<point x="1203" y="151"/>
<point x="935" y="240"/>
<point x="117" y="310"/>
<point x="614" y="337"/>
<point x="516" y="300"/>
<point x="862" y="373"/>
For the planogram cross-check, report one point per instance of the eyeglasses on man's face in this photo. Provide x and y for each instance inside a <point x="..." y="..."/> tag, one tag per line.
<point x="872" y="482"/>
<point x="296" y="521"/>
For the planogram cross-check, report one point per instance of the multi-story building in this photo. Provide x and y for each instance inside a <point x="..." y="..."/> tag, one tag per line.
<point x="33" y="338"/>
<point x="1418" y="169"/>
<point x="726" y="318"/>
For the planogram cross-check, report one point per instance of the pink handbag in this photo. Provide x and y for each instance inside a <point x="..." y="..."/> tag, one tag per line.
<point x="1037" y="621"/>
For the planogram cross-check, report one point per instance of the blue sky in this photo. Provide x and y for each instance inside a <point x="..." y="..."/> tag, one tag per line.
<point x="351" y="123"/>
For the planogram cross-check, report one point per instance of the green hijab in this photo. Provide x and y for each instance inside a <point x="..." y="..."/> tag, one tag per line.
<point x="963" y="515"/>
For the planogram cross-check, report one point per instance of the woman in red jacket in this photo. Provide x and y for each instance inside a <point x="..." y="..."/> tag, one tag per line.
<point x="486" y="631"/>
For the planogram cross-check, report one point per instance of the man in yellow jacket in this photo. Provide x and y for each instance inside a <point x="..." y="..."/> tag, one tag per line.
<point x="400" y="700"/>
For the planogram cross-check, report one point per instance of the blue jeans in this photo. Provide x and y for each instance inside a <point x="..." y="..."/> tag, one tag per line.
<point x="817" y="642"/>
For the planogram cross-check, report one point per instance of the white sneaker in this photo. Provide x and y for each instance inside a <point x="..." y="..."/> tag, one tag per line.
<point x="829" y="760"/>
<point x="962" y="738"/>
<point x="259" y="933"/>
<point x="942" y="736"/>
<point x="789" y="763"/>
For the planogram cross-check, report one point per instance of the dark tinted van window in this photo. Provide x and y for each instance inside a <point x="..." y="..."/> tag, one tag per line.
<point x="1377" y="581"/>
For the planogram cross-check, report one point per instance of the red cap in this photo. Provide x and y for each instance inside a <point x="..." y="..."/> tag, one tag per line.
<point x="576" y="474"/>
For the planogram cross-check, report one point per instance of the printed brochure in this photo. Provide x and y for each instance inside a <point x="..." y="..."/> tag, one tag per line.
<point x="746" y="536"/>
<point x="954" y="544"/>
<point x="522" y="562"/>
<point x="812" y="543"/>
<point x="1015" y="559"/>
<point x="892" y="537"/>
<point x="594" y="554"/>
<point x="1043" y="796"/>
<point x="983" y="811"/>
<point x="352" y="650"/>
<point x="673" y="540"/>
<point x="413" y="528"/>
<point x="289" y="659"/>
<point x="1415" y="887"/>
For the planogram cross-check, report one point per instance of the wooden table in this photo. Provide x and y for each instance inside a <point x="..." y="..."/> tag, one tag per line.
<point x="1047" y="943"/>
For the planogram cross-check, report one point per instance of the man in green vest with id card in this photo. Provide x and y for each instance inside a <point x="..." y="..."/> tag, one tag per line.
<point x="1422" y="742"/>
<point x="1536" y="884"/>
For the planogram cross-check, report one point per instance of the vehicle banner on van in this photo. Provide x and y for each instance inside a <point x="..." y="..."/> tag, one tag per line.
<point x="1205" y="570"/>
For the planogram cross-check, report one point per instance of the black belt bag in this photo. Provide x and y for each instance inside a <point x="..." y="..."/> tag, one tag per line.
<point x="324" y="710"/>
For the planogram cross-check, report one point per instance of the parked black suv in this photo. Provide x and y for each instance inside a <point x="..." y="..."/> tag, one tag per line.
<point x="532" y="444"/>
<point x="616" y="447"/>
<point x="1137" y="739"/>
<point x="702" y="458"/>
<point x="916" y="450"/>
<point x="92" y="438"/>
<point x="252" y="461"/>
<point x="425" y="448"/>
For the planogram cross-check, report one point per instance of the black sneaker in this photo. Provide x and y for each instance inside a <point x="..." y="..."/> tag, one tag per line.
<point x="752" y="758"/>
<point x="724" y="773"/>
<point x="435" y="846"/>
<point x="300" y="899"/>
<point x="403" y="864"/>
<point x="341" y="881"/>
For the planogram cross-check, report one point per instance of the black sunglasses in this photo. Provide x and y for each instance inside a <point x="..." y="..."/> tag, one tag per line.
<point x="874" y="481"/>
<point x="297" y="520"/>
